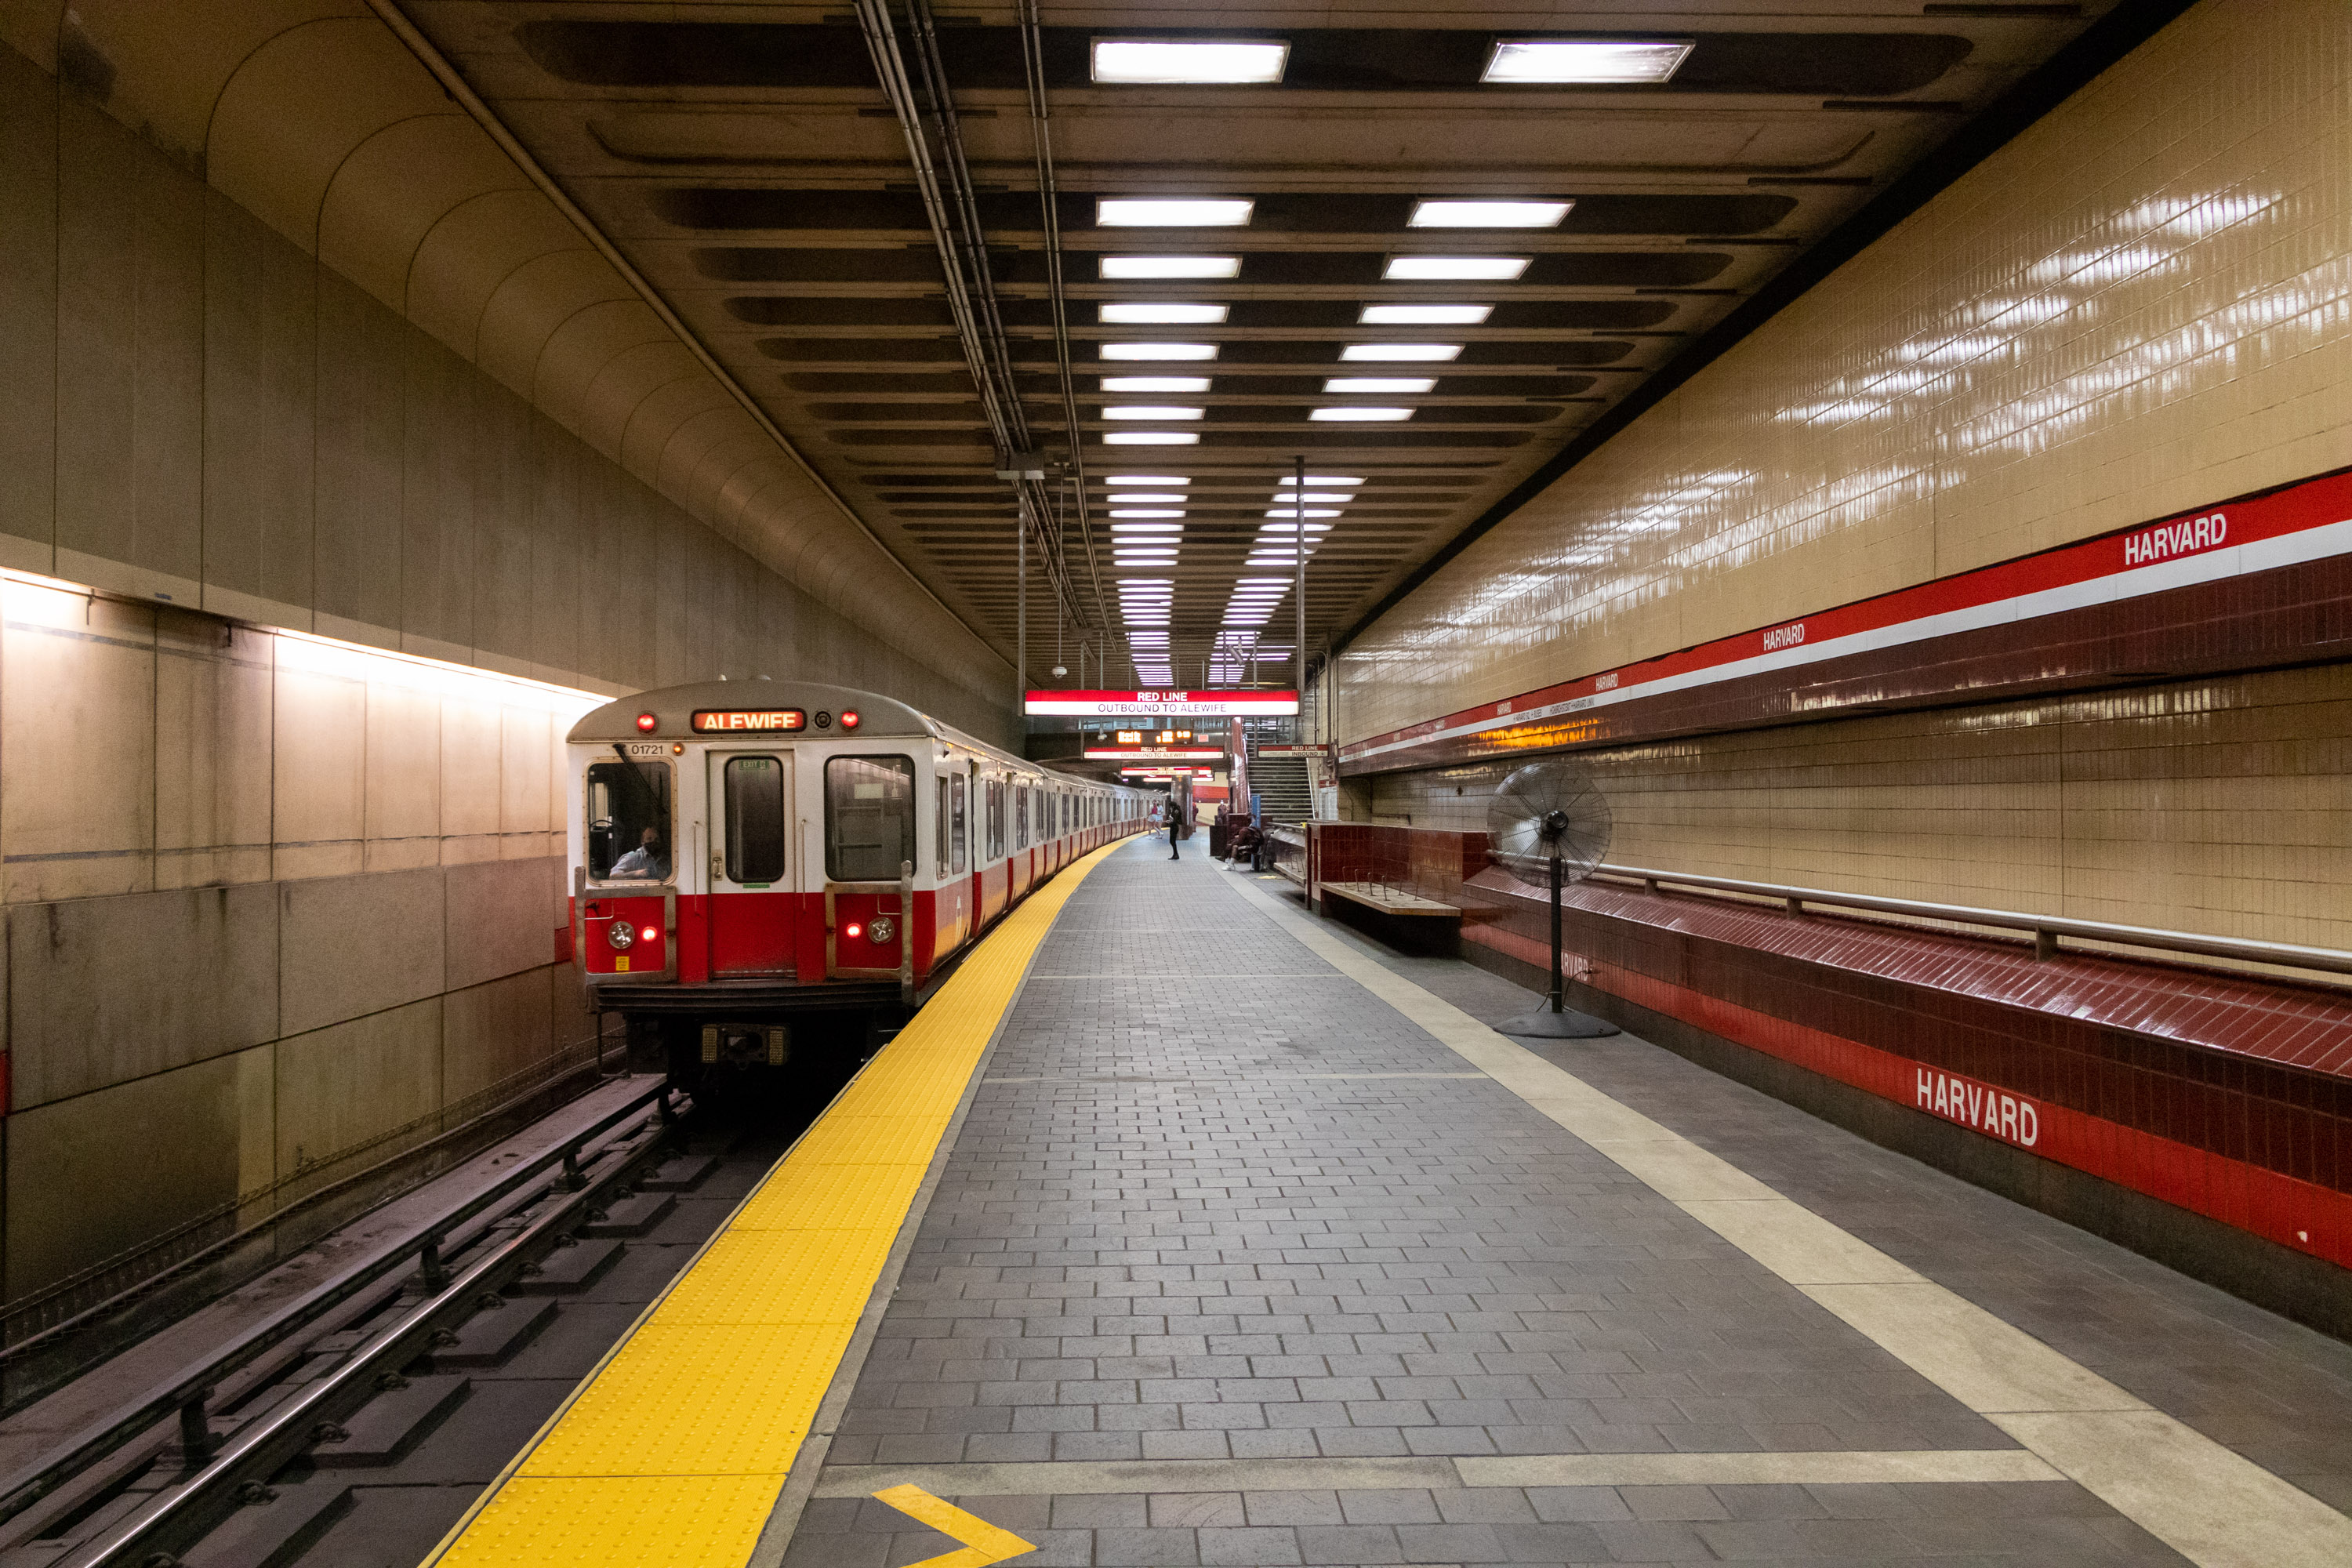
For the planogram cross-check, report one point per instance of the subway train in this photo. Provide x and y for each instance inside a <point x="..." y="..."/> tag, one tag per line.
<point x="746" y="855"/>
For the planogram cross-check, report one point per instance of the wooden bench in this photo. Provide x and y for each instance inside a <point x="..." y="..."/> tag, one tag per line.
<point x="1390" y="900"/>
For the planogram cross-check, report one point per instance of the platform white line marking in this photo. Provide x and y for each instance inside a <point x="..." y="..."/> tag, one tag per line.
<point x="2209" y="1502"/>
<point x="1098" y="1477"/>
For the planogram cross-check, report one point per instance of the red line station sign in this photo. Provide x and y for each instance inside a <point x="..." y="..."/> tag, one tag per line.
<point x="1155" y="753"/>
<point x="1163" y="704"/>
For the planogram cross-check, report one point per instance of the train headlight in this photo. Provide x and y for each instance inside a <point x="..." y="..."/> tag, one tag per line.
<point x="852" y="931"/>
<point x="621" y="934"/>
<point x="880" y="930"/>
<point x="649" y="933"/>
<point x="647" y="722"/>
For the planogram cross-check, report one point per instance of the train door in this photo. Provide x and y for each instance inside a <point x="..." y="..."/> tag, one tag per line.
<point x="753" y="882"/>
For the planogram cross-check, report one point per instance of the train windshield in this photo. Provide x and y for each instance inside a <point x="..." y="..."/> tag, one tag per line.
<point x="869" y="817"/>
<point x="629" y="822"/>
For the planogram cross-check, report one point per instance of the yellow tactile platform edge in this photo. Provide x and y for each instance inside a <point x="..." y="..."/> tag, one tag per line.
<point x="671" y="1453"/>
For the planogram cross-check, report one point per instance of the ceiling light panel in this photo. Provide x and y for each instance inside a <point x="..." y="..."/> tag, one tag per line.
<point x="1360" y="416"/>
<point x="1150" y="439"/>
<point x="1455" y="268"/>
<point x="1156" y="411"/>
<point x="1149" y="479"/>
<point x="1311" y="497"/>
<point x="1402" y="353"/>
<point x="1155" y="384"/>
<point x="1159" y="351"/>
<point x="1380" y="384"/>
<point x="1147" y="498"/>
<point x="1157" y="62"/>
<point x="1161" y="315"/>
<point x="1177" y="212"/>
<point x="1134" y="514"/>
<point x="1121" y="267"/>
<point x="1325" y="480"/>
<point x="1289" y="516"/>
<point x="1603" y="61"/>
<point x="1488" y="215"/>
<point x="1424" y="315"/>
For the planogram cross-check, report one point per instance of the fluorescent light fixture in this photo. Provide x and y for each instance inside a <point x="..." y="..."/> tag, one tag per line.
<point x="1325" y="479"/>
<point x="1159" y="351"/>
<point x="1149" y="479"/>
<point x="1155" y="384"/>
<point x="1147" y="498"/>
<point x="1152" y="62"/>
<point x="1288" y="515"/>
<point x="1137" y="514"/>
<point x="1594" y="60"/>
<point x="1172" y="212"/>
<point x="1488" y="215"/>
<point x="1419" y="352"/>
<point x="1311" y="497"/>
<point x="1132" y="266"/>
<point x="1161" y="315"/>
<point x="1360" y="416"/>
<point x="1151" y="438"/>
<point x="1455" y="268"/>
<point x="1151" y="411"/>
<point x="1380" y="384"/>
<point x="1424" y="315"/>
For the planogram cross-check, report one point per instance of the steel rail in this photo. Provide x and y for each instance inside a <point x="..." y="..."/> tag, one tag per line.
<point x="2045" y="929"/>
<point x="262" y="1447"/>
<point x="32" y="1482"/>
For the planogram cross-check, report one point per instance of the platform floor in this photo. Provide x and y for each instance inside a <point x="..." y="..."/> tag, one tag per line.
<point x="1256" y="1247"/>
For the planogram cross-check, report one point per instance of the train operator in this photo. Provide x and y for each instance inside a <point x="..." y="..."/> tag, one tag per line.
<point x="649" y="859"/>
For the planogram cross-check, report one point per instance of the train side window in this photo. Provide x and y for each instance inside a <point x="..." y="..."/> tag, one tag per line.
<point x="995" y="820"/>
<point x="1021" y="816"/>
<point x="869" y="817"/>
<point x="939" y="833"/>
<point x="755" y="819"/>
<point x="629" y="822"/>
<point x="958" y="782"/>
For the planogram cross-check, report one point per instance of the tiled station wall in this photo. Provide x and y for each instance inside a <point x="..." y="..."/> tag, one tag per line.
<point x="2221" y="806"/>
<point x="268" y="900"/>
<point x="197" y="410"/>
<point x="2138" y="306"/>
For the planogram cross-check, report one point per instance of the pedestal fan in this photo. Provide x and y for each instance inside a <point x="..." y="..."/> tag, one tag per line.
<point x="1548" y="825"/>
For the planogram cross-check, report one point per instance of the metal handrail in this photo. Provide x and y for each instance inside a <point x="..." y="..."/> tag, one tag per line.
<point x="2045" y="929"/>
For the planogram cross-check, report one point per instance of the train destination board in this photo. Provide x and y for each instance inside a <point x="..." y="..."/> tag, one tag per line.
<point x="727" y="719"/>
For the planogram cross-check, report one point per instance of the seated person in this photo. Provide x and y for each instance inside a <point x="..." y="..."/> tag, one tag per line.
<point x="649" y="860"/>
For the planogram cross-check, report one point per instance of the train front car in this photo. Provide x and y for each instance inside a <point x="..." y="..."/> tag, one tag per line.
<point x="762" y="863"/>
<point x="745" y="864"/>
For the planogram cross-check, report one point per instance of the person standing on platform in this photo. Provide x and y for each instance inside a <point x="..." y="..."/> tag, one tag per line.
<point x="1175" y="826"/>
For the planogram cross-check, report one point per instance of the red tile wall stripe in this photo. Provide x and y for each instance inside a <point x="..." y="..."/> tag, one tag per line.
<point x="2296" y="1213"/>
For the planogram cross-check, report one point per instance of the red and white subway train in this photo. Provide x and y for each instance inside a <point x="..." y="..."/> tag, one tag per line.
<point x="746" y="851"/>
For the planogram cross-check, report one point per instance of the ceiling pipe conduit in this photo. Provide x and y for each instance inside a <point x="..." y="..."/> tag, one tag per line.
<point x="951" y="207"/>
<point x="1032" y="55"/>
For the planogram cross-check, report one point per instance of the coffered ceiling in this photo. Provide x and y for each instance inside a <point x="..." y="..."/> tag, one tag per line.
<point x="745" y="159"/>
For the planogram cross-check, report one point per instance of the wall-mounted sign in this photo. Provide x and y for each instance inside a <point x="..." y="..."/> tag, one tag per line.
<point x="715" y="721"/>
<point x="1164" y="774"/>
<point x="1289" y="751"/>
<point x="1164" y="704"/>
<point x="1155" y="753"/>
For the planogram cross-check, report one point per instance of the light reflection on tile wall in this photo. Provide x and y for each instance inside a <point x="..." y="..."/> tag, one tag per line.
<point x="2138" y="306"/>
<point x="2223" y="806"/>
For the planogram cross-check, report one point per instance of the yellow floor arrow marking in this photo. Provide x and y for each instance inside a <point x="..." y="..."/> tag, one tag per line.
<point x="982" y="1543"/>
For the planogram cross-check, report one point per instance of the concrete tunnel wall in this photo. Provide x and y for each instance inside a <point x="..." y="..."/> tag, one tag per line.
<point x="269" y="902"/>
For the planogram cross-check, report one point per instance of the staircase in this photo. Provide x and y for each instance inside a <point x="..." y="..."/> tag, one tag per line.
<point x="1283" y="791"/>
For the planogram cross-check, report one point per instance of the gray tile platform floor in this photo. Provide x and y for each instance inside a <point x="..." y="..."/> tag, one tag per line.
<point x="1215" y="1201"/>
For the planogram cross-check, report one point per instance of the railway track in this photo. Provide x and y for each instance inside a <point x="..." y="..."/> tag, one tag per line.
<point x="352" y="1426"/>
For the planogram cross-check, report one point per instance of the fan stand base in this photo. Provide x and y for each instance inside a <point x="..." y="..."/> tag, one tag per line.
<point x="1546" y="1024"/>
